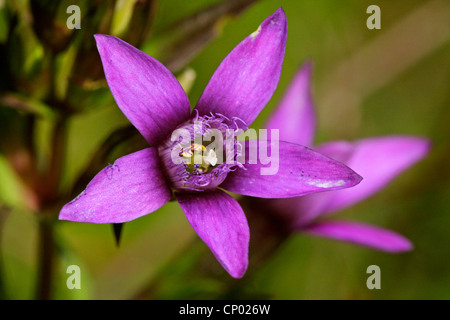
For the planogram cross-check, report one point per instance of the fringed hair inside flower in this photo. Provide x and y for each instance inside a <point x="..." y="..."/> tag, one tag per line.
<point x="200" y="153"/>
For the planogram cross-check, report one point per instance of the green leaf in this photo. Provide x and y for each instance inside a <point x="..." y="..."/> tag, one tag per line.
<point x="122" y="17"/>
<point x="4" y="23"/>
<point x="187" y="79"/>
<point x="11" y="189"/>
<point x="65" y="63"/>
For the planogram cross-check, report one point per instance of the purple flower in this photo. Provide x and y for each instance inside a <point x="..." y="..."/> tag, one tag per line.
<point x="377" y="159"/>
<point x="155" y="103"/>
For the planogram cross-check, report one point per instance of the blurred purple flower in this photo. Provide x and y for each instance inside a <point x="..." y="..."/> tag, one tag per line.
<point x="155" y="103"/>
<point x="377" y="159"/>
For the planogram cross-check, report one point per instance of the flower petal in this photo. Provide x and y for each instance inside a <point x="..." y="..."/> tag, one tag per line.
<point x="378" y="160"/>
<point x="362" y="234"/>
<point x="221" y="224"/>
<point x="246" y="79"/>
<point x="296" y="171"/>
<point x="130" y="188"/>
<point x="295" y="116"/>
<point x="146" y="92"/>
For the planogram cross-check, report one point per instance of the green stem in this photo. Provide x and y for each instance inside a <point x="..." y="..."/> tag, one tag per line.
<point x="4" y="211"/>
<point x="50" y="185"/>
<point x="59" y="142"/>
<point x="49" y="190"/>
<point x="46" y="248"/>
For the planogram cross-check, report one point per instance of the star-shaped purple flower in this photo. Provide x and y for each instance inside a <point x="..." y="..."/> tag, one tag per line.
<point x="377" y="159"/>
<point x="155" y="103"/>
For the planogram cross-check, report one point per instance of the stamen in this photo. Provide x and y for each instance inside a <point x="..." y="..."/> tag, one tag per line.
<point x="211" y="157"/>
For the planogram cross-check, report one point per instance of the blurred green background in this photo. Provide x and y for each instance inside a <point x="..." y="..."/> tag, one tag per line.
<point x="59" y="125"/>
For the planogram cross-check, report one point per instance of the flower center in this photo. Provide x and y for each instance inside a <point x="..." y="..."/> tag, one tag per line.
<point x="197" y="158"/>
<point x="199" y="154"/>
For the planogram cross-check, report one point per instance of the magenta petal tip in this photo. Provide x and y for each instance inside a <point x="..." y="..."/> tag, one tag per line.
<point x="362" y="234"/>
<point x="247" y="77"/>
